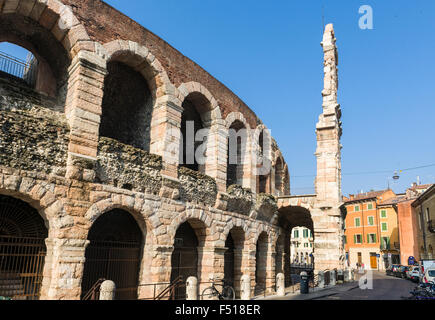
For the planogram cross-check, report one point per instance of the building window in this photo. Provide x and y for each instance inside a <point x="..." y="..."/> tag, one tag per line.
<point x="427" y="215"/>
<point x="311" y="245"/>
<point x="370" y="206"/>
<point x="296" y="234"/>
<point x="356" y="208"/>
<point x="384" y="226"/>
<point x="371" y="221"/>
<point x="386" y="243"/>
<point x="357" y="222"/>
<point x="420" y="217"/>
<point x="358" y="238"/>
<point x="306" y="233"/>
<point x="306" y="245"/>
<point x="383" y="213"/>
<point x="371" y="238"/>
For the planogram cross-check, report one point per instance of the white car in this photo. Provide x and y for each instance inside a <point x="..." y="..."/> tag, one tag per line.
<point x="429" y="276"/>
<point x="413" y="273"/>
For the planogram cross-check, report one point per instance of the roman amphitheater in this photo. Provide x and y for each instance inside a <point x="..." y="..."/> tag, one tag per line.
<point x="91" y="181"/>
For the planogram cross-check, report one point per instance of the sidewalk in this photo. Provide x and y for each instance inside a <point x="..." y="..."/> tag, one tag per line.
<point x="317" y="293"/>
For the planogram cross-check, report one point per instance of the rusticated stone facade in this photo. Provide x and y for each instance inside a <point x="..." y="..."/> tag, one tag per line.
<point x="55" y="156"/>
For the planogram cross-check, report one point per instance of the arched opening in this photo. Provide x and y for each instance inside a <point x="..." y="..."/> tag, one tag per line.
<point x="286" y="183"/>
<point x="22" y="249"/>
<point x="114" y="253"/>
<point x="185" y="258"/>
<point x="263" y="179"/>
<point x="279" y="177"/>
<point x="233" y="259"/>
<point x="127" y="106"/>
<point x="261" y="263"/>
<point x="195" y="106"/>
<point x="42" y="70"/>
<point x="298" y="228"/>
<point x="229" y="261"/>
<point x="236" y="152"/>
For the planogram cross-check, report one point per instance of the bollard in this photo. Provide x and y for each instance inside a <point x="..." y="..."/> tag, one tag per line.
<point x="107" y="290"/>
<point x="333" y="278"/>
<point x="340" y="276"/>
<point x="246" y="288"/>
<point x="321" y="277"/>
<point x="192" y="288"/>
<point x="346" y="275"/>
<point x="280" y="284"/>
<point x="353" y="274"/>
<point x="304" y="286"/>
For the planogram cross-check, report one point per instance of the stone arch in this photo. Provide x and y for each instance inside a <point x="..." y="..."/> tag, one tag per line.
<point x="141" y="60"/>
<point x="140" y="214"/>
<point x="279" y="179"/>
<point x="264" y="159"/>
<point x="243" y="169"/>
<point x="192" y="214"/>
<point x="58" y="18"/>
<point x="40" y="196"/>
<point x="213" y="113"/>
<point x="130" y="204"/>
<point x="198" y="105"/>
<point x="53" y="34"/>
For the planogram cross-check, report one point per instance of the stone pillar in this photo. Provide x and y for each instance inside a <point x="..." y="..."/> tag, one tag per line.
<point x="83" y="111"/>
<point x="246" y="287"/>
<point x="192" y="288"/>
<point x="216" y="166"/>
<point x="280" y="284"/>
<point x="211" y="265"/>
<point x="63" y="269"/>
<point x="333" y="279"/>
<point x="321" y="277"/>
<point x="346" y="276"/>
<point x="238" y="272"/>
<point x="160" y="271"/>
<point x="107" y="290"/>
<point x="327" y="216"/>
<point x="340" y="276"/>
<point x="166" y="133"/>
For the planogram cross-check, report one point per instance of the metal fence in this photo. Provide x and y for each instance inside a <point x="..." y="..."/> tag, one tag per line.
<point x="117" y="261"/>
<point x="18" y="68"/>
<point x="21" y="266"/>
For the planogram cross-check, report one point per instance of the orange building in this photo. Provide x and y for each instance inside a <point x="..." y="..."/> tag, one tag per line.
<point x="410" y="226"/>
<point x="363" y="234"/>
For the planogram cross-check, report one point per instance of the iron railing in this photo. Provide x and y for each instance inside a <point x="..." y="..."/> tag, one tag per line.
<point x="116" y="261"/>
<point x="94" y="292"/>
<point x="21" y="267"/>
<point x="18" y="68"/>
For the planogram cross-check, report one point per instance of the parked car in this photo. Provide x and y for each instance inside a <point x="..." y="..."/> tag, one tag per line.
<point x="414" y="273"/>
<point x="402" y="272"/>
<point x="396" y="270"/>
<point x="429" y="275"/>
<point x="425" y="265"/>
<point x="389" y="271"/>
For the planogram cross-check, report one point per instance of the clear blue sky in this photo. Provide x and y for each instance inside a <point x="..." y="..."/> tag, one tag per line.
<point x="269" y="54"/>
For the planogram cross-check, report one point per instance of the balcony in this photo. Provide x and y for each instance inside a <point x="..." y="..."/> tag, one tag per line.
<point x="24" y="70"/>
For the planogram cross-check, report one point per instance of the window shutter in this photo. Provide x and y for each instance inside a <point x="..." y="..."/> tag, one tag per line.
<point x="368" y="238"/>
<point x="354" y="238"/>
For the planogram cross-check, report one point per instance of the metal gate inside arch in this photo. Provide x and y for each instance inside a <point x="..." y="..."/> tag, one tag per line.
<point x="114" y="253"/>
<point x="22" y="249"/>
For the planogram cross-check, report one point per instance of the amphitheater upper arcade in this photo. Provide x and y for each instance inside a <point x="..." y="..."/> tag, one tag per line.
<point x="99" y="136"/>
